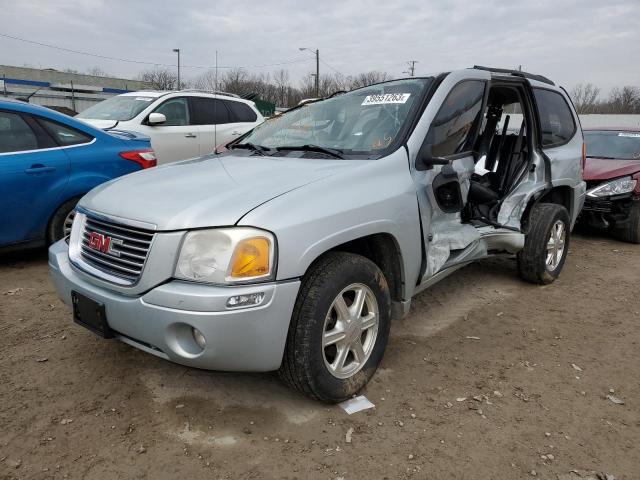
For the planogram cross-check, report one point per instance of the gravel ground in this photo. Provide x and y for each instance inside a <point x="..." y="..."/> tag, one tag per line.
<point x="488" y="377"/>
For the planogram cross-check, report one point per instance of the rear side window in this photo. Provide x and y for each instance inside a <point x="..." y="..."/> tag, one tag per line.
<point x="177" y="112"/>
<point x="64" y="135"/>
<point x="556" y="119"/>
<point x="15" y="134"/>
<point x="240" y="112"/>
<point x="453" y="129"/>
<point x="209" y="111"/>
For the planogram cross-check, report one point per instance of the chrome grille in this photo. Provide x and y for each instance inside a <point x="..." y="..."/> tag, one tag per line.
<point x="128" y="253"/>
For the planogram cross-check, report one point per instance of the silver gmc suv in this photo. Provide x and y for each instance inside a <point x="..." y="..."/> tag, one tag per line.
<point x="294" y="247"/>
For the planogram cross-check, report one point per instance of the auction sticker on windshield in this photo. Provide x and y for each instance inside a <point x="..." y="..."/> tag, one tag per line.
<point x="386" y="98"/>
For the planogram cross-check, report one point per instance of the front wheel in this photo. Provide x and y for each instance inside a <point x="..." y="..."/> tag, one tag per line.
<point x="61" y="221"/>
<point x="339" y="328"/>
<point x="546" y="244"/>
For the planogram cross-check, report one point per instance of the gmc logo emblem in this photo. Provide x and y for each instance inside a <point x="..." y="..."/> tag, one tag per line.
<point x="104" y="244"/>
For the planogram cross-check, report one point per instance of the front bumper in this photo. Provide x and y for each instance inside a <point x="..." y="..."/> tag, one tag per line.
<point x="608" y="212"/>
<point x="160" y="320"/>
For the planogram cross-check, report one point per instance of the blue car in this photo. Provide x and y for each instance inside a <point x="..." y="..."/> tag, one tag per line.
<point x="47" y="162"/>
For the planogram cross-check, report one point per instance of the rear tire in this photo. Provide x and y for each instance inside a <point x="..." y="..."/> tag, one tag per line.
<point x="59" y="224"/>
<point x="313" y="363"/>
<point x="631" y="233"/>
<point x="546" y="244"/>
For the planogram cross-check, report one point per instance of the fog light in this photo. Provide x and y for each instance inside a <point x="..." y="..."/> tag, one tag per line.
<point x="199" y="338"/>
<point x="247" y="300"/>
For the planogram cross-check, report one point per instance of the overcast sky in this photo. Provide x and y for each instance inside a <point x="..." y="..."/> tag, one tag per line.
<point x="569" y="41"/>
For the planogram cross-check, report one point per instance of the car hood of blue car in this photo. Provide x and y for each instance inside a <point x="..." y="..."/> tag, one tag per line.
<point x="209" y="191"/>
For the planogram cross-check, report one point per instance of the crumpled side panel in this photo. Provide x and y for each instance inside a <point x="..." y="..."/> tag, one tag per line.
<point x="447" y="237"/>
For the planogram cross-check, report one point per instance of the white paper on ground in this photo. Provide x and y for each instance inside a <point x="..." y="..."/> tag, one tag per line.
<point x="356" y="404"/>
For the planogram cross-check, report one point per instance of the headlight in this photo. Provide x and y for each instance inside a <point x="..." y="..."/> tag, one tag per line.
<point x="227" y="255"/>
<point x="614" y="187"/>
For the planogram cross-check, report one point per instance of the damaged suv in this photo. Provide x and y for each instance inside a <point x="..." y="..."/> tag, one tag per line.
<point x="293" y="249"/>
<point x="612" y="173"/>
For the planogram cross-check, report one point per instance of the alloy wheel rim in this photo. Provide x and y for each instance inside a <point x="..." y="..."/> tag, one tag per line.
<point x="350" y="330"/>
<point x="68" y="223"/>
<point x="556" y="245"/>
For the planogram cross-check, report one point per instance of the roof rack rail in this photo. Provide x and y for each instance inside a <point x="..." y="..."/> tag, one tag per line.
<point x="214" y="92"/>
<point x="516" y="73"/>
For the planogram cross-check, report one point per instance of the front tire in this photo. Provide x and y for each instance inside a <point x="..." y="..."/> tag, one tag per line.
<point x="60" y="223"/>
<point x="339" y="328"/>
<point x="546" y="244"/>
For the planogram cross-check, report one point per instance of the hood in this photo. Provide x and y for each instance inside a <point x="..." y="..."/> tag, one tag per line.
<point x="101" y="124"/>
<point x="208" y="191"/>
<point x="603" y="169"/>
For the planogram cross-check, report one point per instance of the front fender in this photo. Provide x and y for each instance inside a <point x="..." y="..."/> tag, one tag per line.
<point x="376" y="196"/>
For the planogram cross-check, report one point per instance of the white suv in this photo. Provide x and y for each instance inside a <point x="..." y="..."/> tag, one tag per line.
<point x="182" y="124"/>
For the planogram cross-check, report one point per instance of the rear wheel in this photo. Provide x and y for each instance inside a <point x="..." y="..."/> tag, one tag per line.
<point x="62" y="220"/>
<point x="631" y="233"/>
<point x="339" y="329"/>
<point x="546" y="244"/>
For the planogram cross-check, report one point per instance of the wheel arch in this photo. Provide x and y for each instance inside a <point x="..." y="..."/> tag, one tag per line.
<point x="67" y="198"/>
<point x="560" y="195"/>
<point x="382" y="249"/>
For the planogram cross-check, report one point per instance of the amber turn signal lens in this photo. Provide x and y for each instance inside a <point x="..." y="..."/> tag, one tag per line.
<point x="251" y="258"/>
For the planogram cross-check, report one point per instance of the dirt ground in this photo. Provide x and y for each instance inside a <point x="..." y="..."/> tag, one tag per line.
<point x="540" y="362"/>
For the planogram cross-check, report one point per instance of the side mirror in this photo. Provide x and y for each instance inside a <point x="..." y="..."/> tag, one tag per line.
<point x="156" y="119"/>
<point x="425" y="160"/>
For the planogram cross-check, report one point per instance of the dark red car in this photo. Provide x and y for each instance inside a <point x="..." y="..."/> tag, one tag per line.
<point x="612" y="173"/>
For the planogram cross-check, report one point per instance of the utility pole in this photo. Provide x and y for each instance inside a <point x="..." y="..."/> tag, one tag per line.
<point x="412" y="68"/>
<point x="317" y="72"/>
<point x="177" y="50"/>
<point x="317" y="52"/>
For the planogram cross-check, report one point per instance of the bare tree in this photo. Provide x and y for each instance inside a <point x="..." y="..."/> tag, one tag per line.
<point x="160" y="78"/>
<point x="368" y="78"/>
<point x="97" y="72"/>
<point x="585" y="97"/>
<point x="276" y="88"/>
<point x="624" y="100"/>
<point x="205" y="81"/>
<point x="283" y="86"/>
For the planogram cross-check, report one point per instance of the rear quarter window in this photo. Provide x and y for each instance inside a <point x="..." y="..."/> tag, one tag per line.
<point x="64" y="135"/>
<point x="556" y="119"/>
<point x="240" y="112"/>
<point x="209" y="111"/>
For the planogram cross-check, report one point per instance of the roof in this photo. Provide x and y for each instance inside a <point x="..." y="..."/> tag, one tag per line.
<point x="18" y="105"/>
<point x="516" y="73"/>
<point x="146" y="93"/>
<point x="188" y="92"/>
<point x="14" y="104"/>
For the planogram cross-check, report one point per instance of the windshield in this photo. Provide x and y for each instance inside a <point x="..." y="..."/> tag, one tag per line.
<point x="121" y="107"/>
<point x="363" y="121"/>
<point x="614" y="145"/>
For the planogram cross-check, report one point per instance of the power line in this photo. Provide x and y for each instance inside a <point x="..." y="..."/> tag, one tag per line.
<point x="332" y="68"/>
<point x="141" y="62"/>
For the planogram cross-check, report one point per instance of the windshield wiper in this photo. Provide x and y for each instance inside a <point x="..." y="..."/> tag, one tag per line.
<point x="251" y="146"/>
<point x="334" y="152"/>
